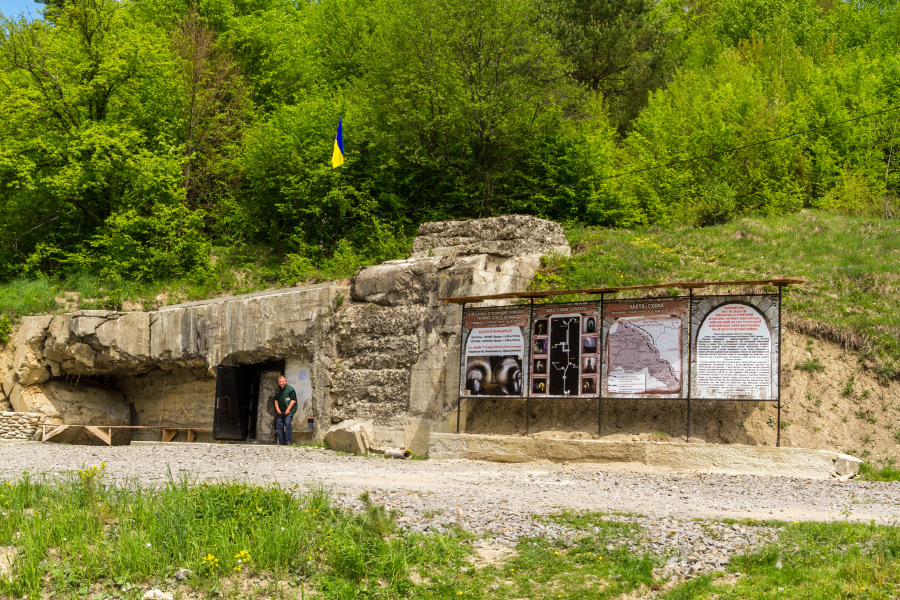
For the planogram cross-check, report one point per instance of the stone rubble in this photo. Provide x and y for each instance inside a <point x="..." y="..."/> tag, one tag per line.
<point x="19" y="426"/>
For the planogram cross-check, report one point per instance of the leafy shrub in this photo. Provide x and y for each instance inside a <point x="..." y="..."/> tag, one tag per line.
<point x="295" y="269"/>
<point x="167" y="242"/>
<point x="716" y="205"/>
<point x="345" y="260"/>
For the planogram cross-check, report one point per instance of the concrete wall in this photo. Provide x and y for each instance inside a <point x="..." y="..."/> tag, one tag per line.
<point x="181" y="397"/>
<point x="265" y="414"/>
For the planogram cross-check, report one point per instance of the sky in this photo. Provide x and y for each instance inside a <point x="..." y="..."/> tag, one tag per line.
<point x="13" y="8"/>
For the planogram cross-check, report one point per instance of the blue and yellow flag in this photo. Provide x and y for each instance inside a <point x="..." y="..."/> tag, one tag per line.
<point x="337" y="156"/>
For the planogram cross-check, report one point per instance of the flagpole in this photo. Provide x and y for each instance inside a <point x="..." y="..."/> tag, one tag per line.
<point x="337" y="159"/>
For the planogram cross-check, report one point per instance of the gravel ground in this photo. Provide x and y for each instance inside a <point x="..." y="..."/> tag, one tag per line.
<point x="499" y="500"/>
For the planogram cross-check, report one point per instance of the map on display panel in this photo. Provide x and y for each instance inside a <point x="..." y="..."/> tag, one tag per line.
<point x="564" y="351"/>
<point x="565" y="347"/>
<point x="645" y="348"/>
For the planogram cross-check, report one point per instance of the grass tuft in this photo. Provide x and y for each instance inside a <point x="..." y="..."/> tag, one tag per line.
<point x="868" y="472"/>
<point x="810" y="365"/>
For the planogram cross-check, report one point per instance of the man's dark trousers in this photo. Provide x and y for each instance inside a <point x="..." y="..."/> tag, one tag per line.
<point x="283" y="429"/>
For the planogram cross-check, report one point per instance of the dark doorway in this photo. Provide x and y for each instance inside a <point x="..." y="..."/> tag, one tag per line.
<point x="237" y="400"/>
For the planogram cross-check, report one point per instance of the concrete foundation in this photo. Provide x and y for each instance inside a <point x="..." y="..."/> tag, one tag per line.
<point x="706" y="458"/>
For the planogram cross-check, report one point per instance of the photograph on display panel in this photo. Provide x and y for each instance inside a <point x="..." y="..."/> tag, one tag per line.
<point x="564" y="350"/>
<point x="494" y="342"/>
<point x="646" y="343"/>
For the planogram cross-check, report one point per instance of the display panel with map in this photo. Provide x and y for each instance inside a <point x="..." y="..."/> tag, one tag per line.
<point x="645" y="349"/>
<point x="565" y="350"/>
<point x="494" y="342"/>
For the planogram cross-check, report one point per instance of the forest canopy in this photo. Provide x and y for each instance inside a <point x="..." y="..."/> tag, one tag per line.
<point x="135" y="136"/>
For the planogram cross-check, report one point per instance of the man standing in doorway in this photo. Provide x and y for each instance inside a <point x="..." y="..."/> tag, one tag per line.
<point x="285" y="407"/>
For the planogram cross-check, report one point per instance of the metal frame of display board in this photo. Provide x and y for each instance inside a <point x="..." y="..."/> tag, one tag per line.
<point x="527" y="357"/>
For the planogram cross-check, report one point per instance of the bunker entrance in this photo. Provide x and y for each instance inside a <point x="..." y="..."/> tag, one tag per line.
<point x="238" y="399"/>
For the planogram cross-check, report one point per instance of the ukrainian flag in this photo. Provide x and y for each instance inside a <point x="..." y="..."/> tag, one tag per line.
<point x="337" y="156"/>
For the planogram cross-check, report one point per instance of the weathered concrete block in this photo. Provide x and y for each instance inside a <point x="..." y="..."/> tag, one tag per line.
<point x="59" y="402"/>
<point x="377" y="394"/>
<point x="353" y="436"/>
<point x="397" y="282"/>
<point x="507" y="235"/>
<point x="709" y="458"/>
<point x="259" y="326"/>
<point x="27" y="363"/>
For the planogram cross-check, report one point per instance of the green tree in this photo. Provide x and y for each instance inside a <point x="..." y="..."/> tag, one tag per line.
<point x="705" y="114"/>
<point x="214" y="108"/>
<point x="72" y="149"/>
<point x="617" y="47"/>
<point x="461" y="90"/>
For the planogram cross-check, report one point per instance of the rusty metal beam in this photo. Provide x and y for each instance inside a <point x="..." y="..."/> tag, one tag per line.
<point x="685" y="285"/>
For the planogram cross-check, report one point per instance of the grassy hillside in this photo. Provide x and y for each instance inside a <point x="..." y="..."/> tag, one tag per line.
<point x="851" y="266"/>
<point x="233" y="272"/>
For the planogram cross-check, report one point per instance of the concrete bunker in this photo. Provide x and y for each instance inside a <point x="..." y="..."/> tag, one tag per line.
<point x="377" y="347"/>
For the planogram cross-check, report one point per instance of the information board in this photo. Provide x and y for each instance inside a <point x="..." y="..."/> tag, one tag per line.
<point x="494" y="340"/>
<point x="704" y="347"/>
<point x="645" y="348"/>
<point x="565" y="355"/>
<point x="735" y="356"/>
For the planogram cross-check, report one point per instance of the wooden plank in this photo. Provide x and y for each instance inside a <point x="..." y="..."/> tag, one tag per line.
<point x="104" y="432"/>
<point x="59" y="429"/>
<point x="156" y="427"/>
<point x="686" y="285"/>
<point x="104" y="436"/>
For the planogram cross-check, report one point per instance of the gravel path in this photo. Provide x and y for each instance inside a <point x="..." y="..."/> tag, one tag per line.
<point x="501" y="498"/>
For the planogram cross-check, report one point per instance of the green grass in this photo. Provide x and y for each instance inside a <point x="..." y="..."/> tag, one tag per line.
<point x="235" y="271"/>
<point x="887" y="472"/>
<point x="81" y="537"/>
<point x="851" y="266"/>
<point x="811" y="561"/>
<point x="810" y="365"/>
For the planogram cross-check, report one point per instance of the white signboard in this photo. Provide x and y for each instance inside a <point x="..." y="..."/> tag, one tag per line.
<point x="734" y="354"/>
<point x="298" y="375"/>
<point x="496" y="341"/>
